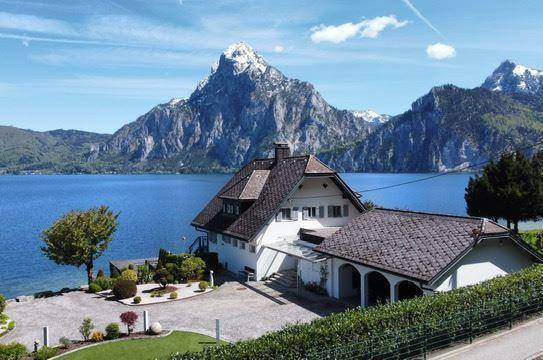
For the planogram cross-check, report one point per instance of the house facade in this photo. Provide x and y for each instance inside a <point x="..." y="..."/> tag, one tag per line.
<point x="293" y="214"/>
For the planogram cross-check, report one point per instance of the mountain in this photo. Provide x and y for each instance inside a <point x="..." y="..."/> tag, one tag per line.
<point x="511" y="78"/>
<point x="50" y="151"/>
<point x="447" y="128"/>
<point x="371" y="116"/>
<point x="234" y="115"/>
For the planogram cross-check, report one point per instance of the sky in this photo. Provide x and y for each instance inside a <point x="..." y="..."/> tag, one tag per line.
<point x="96" y="65"/>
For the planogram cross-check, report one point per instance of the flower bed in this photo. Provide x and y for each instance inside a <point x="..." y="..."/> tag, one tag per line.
<point x="153" y="294"/>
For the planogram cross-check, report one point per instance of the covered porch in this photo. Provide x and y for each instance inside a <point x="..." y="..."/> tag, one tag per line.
<point x="365" y="286"/>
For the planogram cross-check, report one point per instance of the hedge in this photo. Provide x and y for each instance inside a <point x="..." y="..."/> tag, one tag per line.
<point x="357" y="325"/>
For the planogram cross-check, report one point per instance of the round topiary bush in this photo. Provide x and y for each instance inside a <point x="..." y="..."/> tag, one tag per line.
<point x="137" y="299"/>
<point x="94" y="288"/>
<point x="125" y="289"/>
<point x="203" y="285"/>
<point x="129" y="275"/>
<point x="173" y="295"/>
<point x="112" y="331"/>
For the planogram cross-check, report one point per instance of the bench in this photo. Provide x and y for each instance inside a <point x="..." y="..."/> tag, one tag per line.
<point x="247" y="273"/>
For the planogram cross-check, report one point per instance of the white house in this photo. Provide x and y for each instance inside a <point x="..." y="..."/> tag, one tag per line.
<point x="293" y="214"/>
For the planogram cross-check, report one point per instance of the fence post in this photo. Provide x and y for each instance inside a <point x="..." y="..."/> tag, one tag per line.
<point x="510" y="313"/>
<point x="425" y="333"/>
<point x="145" y="321"/>
<point x="217" y="331"/>
<point x="470" y="319"/>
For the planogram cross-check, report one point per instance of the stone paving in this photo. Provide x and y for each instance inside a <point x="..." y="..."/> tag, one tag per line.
<point x="244" y="310"/>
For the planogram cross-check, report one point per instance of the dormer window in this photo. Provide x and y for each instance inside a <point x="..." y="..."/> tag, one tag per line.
<point x="230" y="208"/>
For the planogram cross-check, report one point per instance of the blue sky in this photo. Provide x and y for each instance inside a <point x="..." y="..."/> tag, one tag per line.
<point x="98" y="64"/>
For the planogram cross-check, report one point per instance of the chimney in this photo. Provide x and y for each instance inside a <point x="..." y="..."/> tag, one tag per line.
<point x="282" y="150"/>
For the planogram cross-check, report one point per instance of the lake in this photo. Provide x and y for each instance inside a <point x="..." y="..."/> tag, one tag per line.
<point x="155" y="211"/>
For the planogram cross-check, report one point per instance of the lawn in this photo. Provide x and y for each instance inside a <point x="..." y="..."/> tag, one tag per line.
<point x="143" y="349"/>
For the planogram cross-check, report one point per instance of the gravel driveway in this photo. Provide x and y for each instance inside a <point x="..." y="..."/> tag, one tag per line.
<point x="244" y="312"/>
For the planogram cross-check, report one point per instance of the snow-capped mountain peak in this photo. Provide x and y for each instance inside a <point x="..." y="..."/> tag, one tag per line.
<point x="242" y="57"/>
<point x="371" y="116"/>
<point x="513" y="78"/>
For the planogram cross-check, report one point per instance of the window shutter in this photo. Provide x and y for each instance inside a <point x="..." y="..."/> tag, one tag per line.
<point x="305" y="213"/>
<point x="321" y="211"/>
<point x="295" y="213"/>
<point x="279" y="216"/>
<point x="330" y="211"/>
<point x="345" y="210"/>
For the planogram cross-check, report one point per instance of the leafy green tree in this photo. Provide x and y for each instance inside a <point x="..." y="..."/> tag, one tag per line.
<point x="80" y="237"/>
<point x="511" y="189"/>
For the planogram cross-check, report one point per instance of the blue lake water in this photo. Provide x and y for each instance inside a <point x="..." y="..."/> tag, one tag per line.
<point x="155" y="211"/>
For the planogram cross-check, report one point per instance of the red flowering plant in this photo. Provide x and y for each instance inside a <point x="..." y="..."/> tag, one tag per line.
<point x="129" y="318"/>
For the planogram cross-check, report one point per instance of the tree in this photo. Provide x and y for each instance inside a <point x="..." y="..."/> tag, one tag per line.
<point x="80" y="237"/>
<point x="129" y="318"/>
<point x="511" y="189"/>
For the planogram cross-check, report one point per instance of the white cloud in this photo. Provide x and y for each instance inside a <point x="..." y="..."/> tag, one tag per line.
<point x="22" y="22"/>
<point x="440" y="51"/>
<point x="278" y="49"/>
<point x="370" y="28"/>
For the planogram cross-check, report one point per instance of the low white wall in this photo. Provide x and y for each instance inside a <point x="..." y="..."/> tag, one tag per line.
<point x="491" y="258"/>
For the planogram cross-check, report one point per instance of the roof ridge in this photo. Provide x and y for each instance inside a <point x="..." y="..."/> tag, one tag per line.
<point x="467" y="217"/>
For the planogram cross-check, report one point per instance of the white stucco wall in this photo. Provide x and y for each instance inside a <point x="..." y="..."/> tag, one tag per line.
<point x="491" y="258"/>
<point x="236" y="257"/>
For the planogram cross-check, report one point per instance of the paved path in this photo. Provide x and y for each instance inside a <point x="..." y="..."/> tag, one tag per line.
<point x="522" y="342"/>
<point x="244" y="312"/>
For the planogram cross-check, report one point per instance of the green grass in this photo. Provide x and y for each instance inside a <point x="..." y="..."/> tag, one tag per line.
<point x="158" y="348"/>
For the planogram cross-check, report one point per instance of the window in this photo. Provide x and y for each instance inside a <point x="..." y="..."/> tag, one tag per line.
<point x="236" y="209"/>
<point x="309" y="212"/>
<point x="212" y="237"/>
<point x="242" y="245"/>
<point x="235" y="242"/>
<point x="229" y="208"/>
<point x="252" y="248"/>
<point x="226" y="239"/>
<point x="334" y="211"/>
<point x="284" y="214"/>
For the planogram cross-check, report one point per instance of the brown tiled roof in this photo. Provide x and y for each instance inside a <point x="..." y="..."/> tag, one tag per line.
<point x="249" y="187"/>
<point x="416" y="245"/>
<point x="281" y="179"/>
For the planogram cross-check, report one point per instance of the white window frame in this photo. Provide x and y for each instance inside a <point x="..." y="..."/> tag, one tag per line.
<point x="333" y="213"/>
<point x="234" y="242"/>
<point x="282" y="212"/>
<point x="227" y="239"/>
<point x="310" y="212"/>
<point x="252" y="248"/>
<point x="242" y="245"/>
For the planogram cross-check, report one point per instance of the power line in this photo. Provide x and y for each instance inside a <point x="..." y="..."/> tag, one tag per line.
<point x="450" y="171"/>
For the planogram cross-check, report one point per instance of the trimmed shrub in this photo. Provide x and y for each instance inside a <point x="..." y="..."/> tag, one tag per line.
<point x="173" y="295"/>
<point x="100" y="274"/>
<point x="192" y="268"/>
<point x="112" y="331"/>
<point x="125" y="289"/>
<point x="97" y="336"/>
<point x="129" y="318"/>
<point x="163" y="277"/>
<point x="64" y="342"/>
<point x="387" y="321"/>
<point x="137" y="299"/>
<point x="45" y="353"/>
<point x="94" y="288"/>
<point x="104" y="282"/>
<point x="11" y="325"/>
<point x="2" y="303"/>
<point x="85" y="328"/>
<point x="129" y="275"/>
<point x="203" y="285"/>
<point x="12" y="351"/>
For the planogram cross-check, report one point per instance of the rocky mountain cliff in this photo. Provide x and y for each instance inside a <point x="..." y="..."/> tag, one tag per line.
<point x="511" y="78"/>
<point x="234" y="115"/>
<point x="447" y="128"/>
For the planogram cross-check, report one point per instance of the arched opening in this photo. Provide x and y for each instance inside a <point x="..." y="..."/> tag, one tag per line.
<point x="408" y="290"/>
<point x="377" y="289"/>
<point x="349" y="283"/>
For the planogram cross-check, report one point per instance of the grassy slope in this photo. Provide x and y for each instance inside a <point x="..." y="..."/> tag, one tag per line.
<point x="158" y="348"/>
